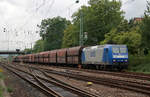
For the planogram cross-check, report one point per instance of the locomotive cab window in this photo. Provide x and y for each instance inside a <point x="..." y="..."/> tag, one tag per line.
<point x="123" y="50"/>
<point x="115" y="50"/>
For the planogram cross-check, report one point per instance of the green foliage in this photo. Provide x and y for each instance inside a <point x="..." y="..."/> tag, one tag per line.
<point x="139" y="63"/>
<point x="28" y="51"/>
<point x="51" y="31"/>
<point x="9" y="89"/>
<point x="98" y="19"/>
<point x="132" y="39"/>
<point x="1" y="76"/>
<point x="145" y="27"/>
<point x="125" y="33"/>
<point x="144" y="68"/>
<point x="70" y="38"/>
<point x="137" y="60"/>
<point x="123" y="26"/>
<point x="1" y="91"/>
<point x="1" y="88"/>
<point x="38" y="47"/>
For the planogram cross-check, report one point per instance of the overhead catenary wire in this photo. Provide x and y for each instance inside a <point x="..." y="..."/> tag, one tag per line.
<point x="36" y="11"/>
<point x="50" y="7"/>
<point x="128" y="2"/>
<point x="37" y="7"/>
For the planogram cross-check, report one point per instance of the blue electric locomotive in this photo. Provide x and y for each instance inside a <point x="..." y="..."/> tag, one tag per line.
<point x="105" y="56"/>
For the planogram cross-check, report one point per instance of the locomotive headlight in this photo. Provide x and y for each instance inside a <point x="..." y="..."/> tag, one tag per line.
<point x="114" y="60"/>
<point x="126" y="60"/>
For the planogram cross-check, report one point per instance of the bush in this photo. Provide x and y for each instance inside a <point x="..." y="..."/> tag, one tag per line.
<point x="139" y="63"/>
<point x="1" y="91"/>
<point x="9" y="89"/>
<point x="1" y="76"/>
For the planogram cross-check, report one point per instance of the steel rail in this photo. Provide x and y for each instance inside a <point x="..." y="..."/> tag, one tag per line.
<point x="120" y="74"/>
<point x="128" y="85"/>
<point x="107" y="81"/>
<point x="47" y="92"/>
<point x="78" y="91"/>
<point x="74" y="89"/>
<point x="133" y="82"/>
<point x="140" y="76"/>
<point x="47" y="88"/>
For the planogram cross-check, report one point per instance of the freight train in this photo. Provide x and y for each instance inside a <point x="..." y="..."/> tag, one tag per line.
<point x="99" y="57"/>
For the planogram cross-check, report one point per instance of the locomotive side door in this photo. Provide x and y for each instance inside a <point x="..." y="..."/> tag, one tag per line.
<point x="106" y="55"/>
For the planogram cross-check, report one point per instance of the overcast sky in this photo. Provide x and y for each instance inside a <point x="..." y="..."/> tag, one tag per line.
<point x="20" y="18"/>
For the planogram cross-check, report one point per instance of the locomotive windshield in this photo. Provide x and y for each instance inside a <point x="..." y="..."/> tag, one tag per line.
<point x="115" y="50"/>
<point x="119" y="50"/>
<point x="123" y="50"/>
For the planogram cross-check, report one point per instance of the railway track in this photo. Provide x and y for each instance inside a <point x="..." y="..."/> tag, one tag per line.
<point x="128" y="85"/>
<point x="33" y="80"/>
<point x="50" y="86"/>
<point x="140" y="76"/>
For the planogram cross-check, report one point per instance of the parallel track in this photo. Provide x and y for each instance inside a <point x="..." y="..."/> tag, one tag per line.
<point x="33" y="80"/>
<point x="43" y="80"/>
<point x="140" y="76"/>
<point x="128" y="85"/>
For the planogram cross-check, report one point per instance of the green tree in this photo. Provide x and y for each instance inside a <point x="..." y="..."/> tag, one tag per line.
<point x="132" y="39"/>
<point x="27" y="51"/>
<point x="123" y="26"/>
<point x="51" y="31"/>
<point x="70" y="37"/>
<point x="104" y="15"/>
<point x="145" y="27"/>
<point x="98" y="19"/>
<point x="38" y="47"/>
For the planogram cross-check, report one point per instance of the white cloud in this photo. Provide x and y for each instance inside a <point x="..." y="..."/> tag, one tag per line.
<point x="134" y="8"/>
<point x="19" y="16"/>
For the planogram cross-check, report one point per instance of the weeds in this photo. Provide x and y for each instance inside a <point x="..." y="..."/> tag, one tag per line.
<point x="1" y="91"/>
<point x="139" y="63"/>
<point x="9" y="89"/>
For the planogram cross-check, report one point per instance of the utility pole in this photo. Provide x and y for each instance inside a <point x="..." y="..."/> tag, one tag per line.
<point x="8" y="40"/>
<point x="81" y="29"/>
<point x="31" y="47"/>
<point x="31" y="42"/>
<point x="82" y="36"/>
<point x="30" y="36"/>
<point x="7" y="36"/>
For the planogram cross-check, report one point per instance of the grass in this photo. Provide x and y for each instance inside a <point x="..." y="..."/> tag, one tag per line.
<point x="145" y="68"/>
<point x="9" y="89"/>
<point x="1" y="91"/>
<point x="1" y="78"/>
<point x="139" y="64"/>
<point x="1" y="75"/>
<point x="1" y="88"/>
